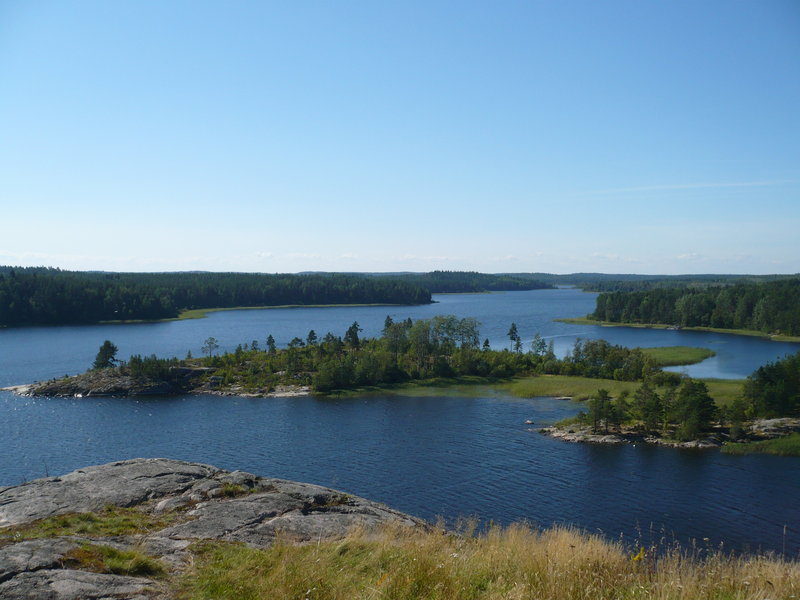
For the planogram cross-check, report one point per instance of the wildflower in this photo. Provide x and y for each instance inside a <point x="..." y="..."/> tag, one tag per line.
<point x="639" y="555"/>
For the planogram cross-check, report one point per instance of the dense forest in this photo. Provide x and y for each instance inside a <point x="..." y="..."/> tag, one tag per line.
<point x="770" y="307"/>
<point x="440" y="282"/>
<point x="628" y="282"/>
<point x="42" y="296"/>
<point x="774" y="389"/>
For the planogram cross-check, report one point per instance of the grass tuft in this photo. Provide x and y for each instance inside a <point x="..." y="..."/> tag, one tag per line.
<point x="111" y="521"/>
<point x="399" y="563"/>
<point x="106" y="559"/>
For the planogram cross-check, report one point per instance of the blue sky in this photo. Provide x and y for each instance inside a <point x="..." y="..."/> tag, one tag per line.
<point x="646" y="137"/>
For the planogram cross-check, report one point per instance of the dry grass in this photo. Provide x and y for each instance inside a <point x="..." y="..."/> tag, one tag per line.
<point x="515" y="562"/>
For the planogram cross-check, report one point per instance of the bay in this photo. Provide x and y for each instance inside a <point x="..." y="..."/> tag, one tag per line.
<point x="433" y="456"/>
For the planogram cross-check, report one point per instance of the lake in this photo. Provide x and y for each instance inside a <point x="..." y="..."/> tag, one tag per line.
<point x="430" y="456"/>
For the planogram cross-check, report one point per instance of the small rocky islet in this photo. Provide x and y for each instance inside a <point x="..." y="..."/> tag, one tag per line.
<point x="182" y="503"/>
<point x="759" y="429"/>
<point x="115" y="382"/>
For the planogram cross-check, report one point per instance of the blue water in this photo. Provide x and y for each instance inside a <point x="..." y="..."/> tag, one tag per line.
<point x="432" y="456"/>
<point x="39" y="353"/>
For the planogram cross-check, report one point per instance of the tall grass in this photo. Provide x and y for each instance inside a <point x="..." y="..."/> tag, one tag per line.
<point x="666" y="356"/>
<point x="515" y="562"/>
<point x="782" y="446"/>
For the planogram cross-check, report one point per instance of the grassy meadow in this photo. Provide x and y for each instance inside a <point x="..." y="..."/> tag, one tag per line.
<point x="515" y="562"/>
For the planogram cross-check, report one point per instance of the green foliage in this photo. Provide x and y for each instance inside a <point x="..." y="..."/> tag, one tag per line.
<point x="42" y="296"/>
<point x="600" y="410"/>
<point x="677" y="355"/>
<point x="106" y="356"/>
<point x="469" y="281"/>
<point x="151" y="367"/>
<point x="111" y="521"/>
<point x="774" y="389"/>
<point x="106" y="559"/>
<point x="771" y="306"/>
<point x="648" y="407"/>
<point x="210" y="346"/>
<point x="693" y="410"/>
<point x="234" y="490"/>
<point x="782" y="446"/>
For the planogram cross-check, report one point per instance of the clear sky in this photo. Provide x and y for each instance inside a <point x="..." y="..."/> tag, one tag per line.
<point x="557" y="136"/>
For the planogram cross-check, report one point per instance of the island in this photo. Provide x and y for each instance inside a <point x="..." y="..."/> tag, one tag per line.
<point x="629" y="396"/>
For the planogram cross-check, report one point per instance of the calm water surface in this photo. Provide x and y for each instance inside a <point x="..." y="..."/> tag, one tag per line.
<point x="432" y="456"/>
<point x="44" y="352"/>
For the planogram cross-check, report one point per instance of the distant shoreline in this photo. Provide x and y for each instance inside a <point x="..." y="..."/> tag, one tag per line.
<point x="741" y="332"/>
<point x="200" y="313"/>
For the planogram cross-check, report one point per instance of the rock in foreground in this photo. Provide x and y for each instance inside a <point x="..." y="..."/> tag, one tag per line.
<point x="190" y="501"/>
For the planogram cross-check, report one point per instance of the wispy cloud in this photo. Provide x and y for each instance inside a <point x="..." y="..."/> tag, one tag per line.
<point x="693" y="186"/>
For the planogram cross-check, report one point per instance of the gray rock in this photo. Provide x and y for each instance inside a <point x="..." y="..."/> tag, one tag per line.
<point x="125" y="483"/>
<point x="66" y="584"/>
<point x="210" y="504"/>
<point x="32" y="555"/>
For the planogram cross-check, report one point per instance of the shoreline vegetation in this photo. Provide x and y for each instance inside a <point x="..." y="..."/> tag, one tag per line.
<point x="775" y="337"/>
<point x="769" y="307"/>
<point x="31" y="296"/>
<point x="627" y="393"/>
<point x="201" y="313"/>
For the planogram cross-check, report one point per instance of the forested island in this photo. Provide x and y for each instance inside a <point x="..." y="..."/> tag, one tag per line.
<point x="770" y="307"/>
<point x="46" y="296"/>
<point x="654" y="405"/>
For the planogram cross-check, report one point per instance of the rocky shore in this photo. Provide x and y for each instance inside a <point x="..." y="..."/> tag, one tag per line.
<point x="111" y="382"/>
<point x="761" y="429"/>
<point x="180" y="502"/>
<point x="585" y="435"/>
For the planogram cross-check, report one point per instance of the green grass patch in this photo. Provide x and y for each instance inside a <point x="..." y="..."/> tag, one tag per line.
<point x="111" y="521"/>
<point x="723" y="391"/>
<point x="776" y="337"/>
<point x="579" y="388"/>
<point x="106" y="559"/>
<point x="669" y="356"/>
<point x="234" y="490"/>
<point x="466" y="386"/>
<point x="782" y="446"/>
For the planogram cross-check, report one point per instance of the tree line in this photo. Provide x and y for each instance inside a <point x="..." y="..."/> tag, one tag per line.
<point x="665" y="403"/>
<point x="439" y="282"/>
<point x="684" y="407"/>
<point x="43" y="296"/>
<point x="770" y="307"/>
